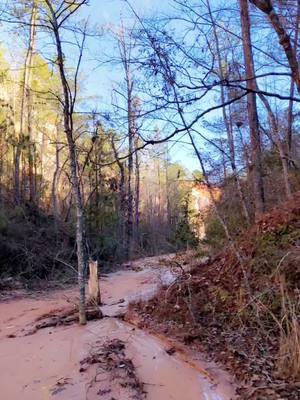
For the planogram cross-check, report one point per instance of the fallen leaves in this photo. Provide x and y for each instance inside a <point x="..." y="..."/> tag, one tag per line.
<point x="110" y="360"/>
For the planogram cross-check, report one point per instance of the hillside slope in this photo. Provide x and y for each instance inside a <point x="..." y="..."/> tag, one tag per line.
<point x="242" y="307"/>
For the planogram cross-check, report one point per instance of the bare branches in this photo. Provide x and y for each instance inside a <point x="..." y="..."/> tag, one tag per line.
<point x="266" y="6"/>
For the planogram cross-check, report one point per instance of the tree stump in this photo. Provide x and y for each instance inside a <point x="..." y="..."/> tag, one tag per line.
<point x="93" y="285"/>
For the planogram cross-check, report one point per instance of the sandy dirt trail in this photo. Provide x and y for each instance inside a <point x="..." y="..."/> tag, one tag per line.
<point x="46" y="365"/>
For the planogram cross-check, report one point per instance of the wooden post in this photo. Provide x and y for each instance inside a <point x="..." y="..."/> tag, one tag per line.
<point x="94" y="290"/>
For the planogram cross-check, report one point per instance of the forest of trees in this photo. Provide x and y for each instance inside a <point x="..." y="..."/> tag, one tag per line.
<point x="99" y="181"/>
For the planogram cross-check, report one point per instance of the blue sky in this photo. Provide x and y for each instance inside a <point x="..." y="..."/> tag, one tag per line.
<point x="105" y="12"/>
<point x="111" y="10"/>
<point x="99" y="80"/>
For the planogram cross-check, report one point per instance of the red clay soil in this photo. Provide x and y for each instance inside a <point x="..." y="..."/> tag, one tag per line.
<point x="214" y="309"/>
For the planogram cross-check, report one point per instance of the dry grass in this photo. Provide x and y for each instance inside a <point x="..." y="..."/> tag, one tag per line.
<point x="289" y="351"/>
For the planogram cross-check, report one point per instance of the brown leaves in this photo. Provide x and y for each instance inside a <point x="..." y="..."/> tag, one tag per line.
<point x="110" y="358"/>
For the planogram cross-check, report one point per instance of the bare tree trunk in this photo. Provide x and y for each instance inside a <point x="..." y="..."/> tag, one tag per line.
<point x="158" y="207"/>
<point x="129" y="229"/>
<point x="258" y="188"/>
<point x="122" y="193"/>
<point x="31" y="151"/>
<point x="125" y="58"/>
<point x="2" y="150"/>
<point x="17" y="158"/>
<point x="23" y="175"/>
<point x="25" y="102"/>
<point x="68" y="109"/>
<point x="169" y="217"/>
<point x="289" y="135"/>
<point x="279" y="145"/>
<point x="228" y="125"/>
<point x="275" y="136"/>
<point x="55" y="176"/>
<point x="137" y="188"/>
<point x="97" y="181"/>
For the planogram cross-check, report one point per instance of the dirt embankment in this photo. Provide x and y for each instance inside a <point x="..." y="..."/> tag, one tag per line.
<point x="244" y="314"/>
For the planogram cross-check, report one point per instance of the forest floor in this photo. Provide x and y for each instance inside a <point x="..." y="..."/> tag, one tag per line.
<point x="109" y="358"/>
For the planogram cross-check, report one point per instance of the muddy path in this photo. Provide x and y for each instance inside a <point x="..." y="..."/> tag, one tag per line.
<point x="72" y="362"/>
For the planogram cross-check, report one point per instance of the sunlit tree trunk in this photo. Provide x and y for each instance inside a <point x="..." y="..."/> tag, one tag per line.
<point x="256" y="163"/>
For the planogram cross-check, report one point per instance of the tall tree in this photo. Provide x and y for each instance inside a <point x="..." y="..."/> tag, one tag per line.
<point x="125" y="48"/>
<point x="228" y="124"/>
<point x="289" y="135"/>
<point x="57" y="20"/>
<point x="25" y="112"/>
<point x="257" y="175"/>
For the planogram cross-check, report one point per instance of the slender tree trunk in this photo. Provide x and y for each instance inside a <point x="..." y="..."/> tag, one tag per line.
<point x="228" y="125"/>
<point x="68" y="107"/>
<point x="31" y="151"/>
<point x="55" y="176"/>
<point x="97" y="181"/>
<point x="55" y="184"/>
<point x="169" y="217"/>
<point x="122" y="194"/>
<point x="35" y="166"/>
<point x="158" y="207"/>
<point x="277" y="140"/>
<point x="137" y="188"/>
<point x="125" y="53"/>
<point x="131" y="134"/>
<point x="274" y="131"/>
<point x="81" y="251"/>
<point x="258" y="188"/>
<point x="290" y="118"/>
<point x="130" y="198"/>
<point x="23" y="175"/>
<point x="2" y="149"/>
<point x="25" y="101"/>
<point x="17" y="158"/>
